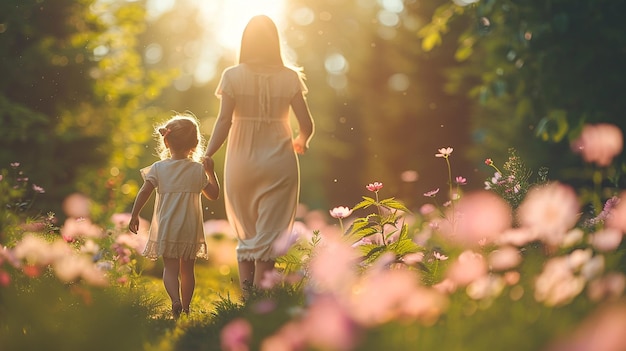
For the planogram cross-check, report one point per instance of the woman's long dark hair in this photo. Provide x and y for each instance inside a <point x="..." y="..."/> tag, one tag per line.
<point x="260" y="42"/>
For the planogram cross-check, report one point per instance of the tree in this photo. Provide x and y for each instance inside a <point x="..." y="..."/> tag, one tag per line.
<point x="379" y="100"/>
<point x="73" y="96"/>
<point x="538" y="71"/>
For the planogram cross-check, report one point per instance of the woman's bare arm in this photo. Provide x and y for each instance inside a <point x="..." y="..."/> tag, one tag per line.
<point x="222" y="125"/>
<point x="305" y="123"/>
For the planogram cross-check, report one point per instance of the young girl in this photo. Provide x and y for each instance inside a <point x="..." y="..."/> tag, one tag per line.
<point x="177" y="231"/>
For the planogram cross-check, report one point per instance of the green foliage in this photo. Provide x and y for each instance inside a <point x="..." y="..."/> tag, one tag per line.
<point x="54" y="294"/>
<point x="299" y="255"/>
<point x="74" y="96"/>
<point x="537" y="72"/>
<point x="514" y="181"/>
<point x="44" y="313"/>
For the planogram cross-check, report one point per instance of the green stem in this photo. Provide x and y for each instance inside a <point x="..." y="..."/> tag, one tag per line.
<point x="450" y="189"/>
<point x="595" y="197"/>
<point x="382" y="228"/>
<point x="496" y="168"/>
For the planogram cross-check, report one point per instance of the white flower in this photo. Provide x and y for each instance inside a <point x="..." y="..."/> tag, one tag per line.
<point x="340" y="212"/>
<point x="606" y="240"/>
<point x="440" y="256"/>
<point x="550" y="211"/>
<point x="444" y="152"/>
<point x="504" y="258"/>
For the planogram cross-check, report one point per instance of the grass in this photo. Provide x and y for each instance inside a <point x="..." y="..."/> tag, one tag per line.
<point x="216" y="284"/>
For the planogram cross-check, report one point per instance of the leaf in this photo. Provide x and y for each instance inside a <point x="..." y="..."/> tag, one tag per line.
<point x="463" y="53"/>
<point x="554" y="126"/>
<point x="394" y="204"/>
<point x="367" y="202"/>
<point x="362" y="228"/>
<point x="431" y="40"/>
<point x="376" y="250"/>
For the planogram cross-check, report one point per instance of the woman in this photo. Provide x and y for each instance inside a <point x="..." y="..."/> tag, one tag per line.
<point x="261" y="171"/>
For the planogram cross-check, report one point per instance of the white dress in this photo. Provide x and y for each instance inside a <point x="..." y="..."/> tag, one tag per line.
<point x="177" y="229"/>
<point x="261" y="171"/>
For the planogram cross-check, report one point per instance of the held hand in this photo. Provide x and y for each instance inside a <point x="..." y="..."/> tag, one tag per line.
<point x="133" y="226"/>
<point x="208" y="164"/>
<point x="299" y="145"/>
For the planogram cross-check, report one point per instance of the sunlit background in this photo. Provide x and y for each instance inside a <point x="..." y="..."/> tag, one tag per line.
<point x="531" y="89"/>
<point x="390" y="82"/>
<point x="221" y="25"/>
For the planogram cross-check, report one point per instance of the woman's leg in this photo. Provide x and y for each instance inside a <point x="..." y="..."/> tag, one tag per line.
<point x="262" y="267"/>
<point x="187" y="282"/>
<point x="246" y="276"/>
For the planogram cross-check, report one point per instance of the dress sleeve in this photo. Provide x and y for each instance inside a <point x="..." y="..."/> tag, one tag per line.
<point x="205" y="178"/>
<point x="297" y="83"/>
<point x="225" y="85"/>
<point x="303" y="87"/>
<point x="149" y="174"/>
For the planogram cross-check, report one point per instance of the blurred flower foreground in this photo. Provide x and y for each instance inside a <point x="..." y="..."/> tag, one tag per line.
<point x="527" y="263"/>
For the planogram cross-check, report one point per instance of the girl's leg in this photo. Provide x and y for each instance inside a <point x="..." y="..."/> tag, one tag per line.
<point x="187" y="282"/>
<point x="171" y="267"/>
<point x="262" y="267"/>
<point x="246" y="276"/>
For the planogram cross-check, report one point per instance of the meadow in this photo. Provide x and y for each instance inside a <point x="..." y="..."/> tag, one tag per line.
<point x="527" y="263"/>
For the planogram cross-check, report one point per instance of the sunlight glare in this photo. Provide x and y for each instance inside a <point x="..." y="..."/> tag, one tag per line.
<point x="231" y="16"/>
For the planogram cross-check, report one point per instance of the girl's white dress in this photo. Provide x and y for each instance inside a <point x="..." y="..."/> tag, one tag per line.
<point x="177" y="229"/>
<point x="261" y="171"/>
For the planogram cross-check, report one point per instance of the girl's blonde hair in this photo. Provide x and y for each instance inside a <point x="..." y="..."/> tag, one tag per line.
<point x="182" y="133"/>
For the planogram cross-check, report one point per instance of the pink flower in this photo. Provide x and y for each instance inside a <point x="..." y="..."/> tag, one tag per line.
<point x="461" y="180"/>
<point x="333" y="266"/>
<point x="328" y="326"/>
<point x="516" y="237"/>
<point x="409" y="176"/>
<point x="341" y="212"/>
<point x="487" y="286"/>
<point x="38" y="189"/>
<point x="609" y="287"/>
<point x="284" y="242"/>
<point x="236" y="335"/>
<point x="5" y="278"/>
<point x="431" y="193"/>
<point x="480" y="215"/>
<point x="444" y="152"/>
<point x="271" y="279"/>
<point x="397" y="293"/>
<point x="550" y="211"/>
<point x="606" y="240"/>
<point x="77" y="205"/>
<point x="445" y="286"/>
<point x="15" y="164"/>
<point x="374" y="186"/>
<point x="599" y="143"/>
<point x="427" y="209"/>
<point x="289" y="337"/>
<point x="557" y="285"/>
<point x="467" y="268"/>
<point x="488" y="162"/>
<point x="80" y="227"/>
<point x="504" y="258"/>
<point x="603" y="330"/>
<point x="413" y="258"/>
<point x="617" y="216"/>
